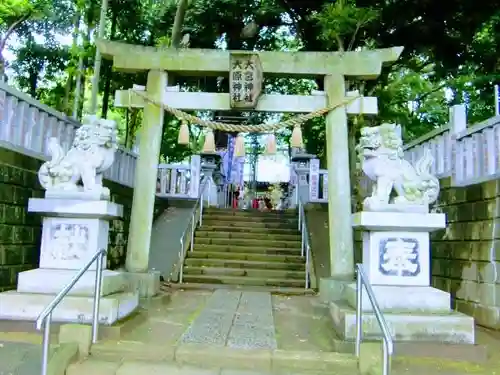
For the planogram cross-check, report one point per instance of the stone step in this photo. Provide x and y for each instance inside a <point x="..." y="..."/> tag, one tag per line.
<point x="247" y="249"/>
<point x="26" y="330"/>
<point x="251" y="213"/>
<point x="454" y="352"/>
<point x="269" y="243"/>
<point x="277" y="290"/>
<point x="131" y="359"/>
<point x="196" y="262"/>
<point x="243" y="280"/>
<point x="243" y="272"/>
<point x="451" y="327"/>
<point x="294" y="259"/>
<point x="258" y="218"/>
<point x="247" y="235"/>
<point x="246" y="229"/>
<point x="228" y="222"/>
<point x="27" y="306"/>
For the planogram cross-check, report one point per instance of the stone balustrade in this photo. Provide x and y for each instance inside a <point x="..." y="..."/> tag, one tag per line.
<point x="179" y="180"/>
<point x="26" y="125"/>
<point x="467" y="154"/>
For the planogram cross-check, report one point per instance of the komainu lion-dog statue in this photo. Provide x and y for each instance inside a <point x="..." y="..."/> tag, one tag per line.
<point x="92" y="153"/>
<point x="380" y="153"/>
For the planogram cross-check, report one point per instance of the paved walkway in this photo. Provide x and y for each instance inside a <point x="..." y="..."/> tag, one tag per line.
<point x="17" y="358"/>
<point x="238" y="320"/>
<point x="210" y="327"/>
<point x="235" y="319"/>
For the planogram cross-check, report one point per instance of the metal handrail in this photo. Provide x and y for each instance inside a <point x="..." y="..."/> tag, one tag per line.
<point x="45" y="317"/>
<point x="388" y="347"/>
<point x="192" y="225"/>
<point x="304" y="240"/>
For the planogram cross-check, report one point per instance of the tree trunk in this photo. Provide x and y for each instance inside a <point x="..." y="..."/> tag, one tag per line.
<point x="3" y="42"/>
<point x="178" y="22"/>
<point x="108" y="68"/>
<point x="33" y="83"/>
<point x="83" y="70"/>
<point x="2" y="68"/>
<point x="71" y="74"/>
<point x="97" y="59"/>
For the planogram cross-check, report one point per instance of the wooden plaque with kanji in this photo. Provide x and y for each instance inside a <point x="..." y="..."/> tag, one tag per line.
<point x="245" y="80"/>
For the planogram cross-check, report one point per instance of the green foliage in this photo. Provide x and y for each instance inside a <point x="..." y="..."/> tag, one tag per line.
<point x="342" y="21"/>
<point x="39" y="61"/>
<point x="450" y="54"/>
<point x="13" y="12"/>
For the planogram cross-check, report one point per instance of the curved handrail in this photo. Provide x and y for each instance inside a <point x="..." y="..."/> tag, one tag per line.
<point x="46" y="315"/>
<point x="388" y="347"/>
<point x="192" y="225"/>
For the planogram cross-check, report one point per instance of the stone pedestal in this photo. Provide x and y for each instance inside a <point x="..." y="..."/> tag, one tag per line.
<point x="396" y="261"/>
<point x="208" y="166"/>
<point x="73" y="231"/>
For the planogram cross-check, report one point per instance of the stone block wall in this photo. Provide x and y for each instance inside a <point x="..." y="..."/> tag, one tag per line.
<point x="20" y="231"/>
<point x="466" y="255"/>
<point x="118" y="229"/>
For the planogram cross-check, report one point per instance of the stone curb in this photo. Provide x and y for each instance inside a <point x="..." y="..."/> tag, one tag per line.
<point x="219" y="357"/>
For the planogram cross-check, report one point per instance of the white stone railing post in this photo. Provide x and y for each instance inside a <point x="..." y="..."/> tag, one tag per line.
<point x="293" y="187"/>
<point x="458" y="124"/>
<point x="194" y="185"/>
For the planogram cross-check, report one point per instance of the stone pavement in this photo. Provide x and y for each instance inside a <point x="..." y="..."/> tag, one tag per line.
<point x="235" y="319"/>
<point x="229" y="329"/>
<point x="230" y="332"/>
<point x="18" y="358"/>
<point x="232" y="329"/>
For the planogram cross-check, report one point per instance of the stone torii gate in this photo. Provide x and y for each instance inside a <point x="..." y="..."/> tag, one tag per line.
<point x="332" y="66"/>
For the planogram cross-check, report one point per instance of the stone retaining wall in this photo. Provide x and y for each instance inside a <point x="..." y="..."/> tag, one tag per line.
<point x="466" y="255"/>
<point x="20" y="231"/>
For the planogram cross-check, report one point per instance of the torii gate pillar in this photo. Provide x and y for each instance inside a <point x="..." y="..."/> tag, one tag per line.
<point x="146" y="175"/>
<point x="339" y="191"/>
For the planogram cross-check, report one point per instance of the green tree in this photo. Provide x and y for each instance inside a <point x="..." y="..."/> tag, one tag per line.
<point x="457" y="55"/>
<point x="12" y="15"/>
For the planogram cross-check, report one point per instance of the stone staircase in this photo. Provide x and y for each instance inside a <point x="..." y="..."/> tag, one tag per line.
<point x="247" y="248"/>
